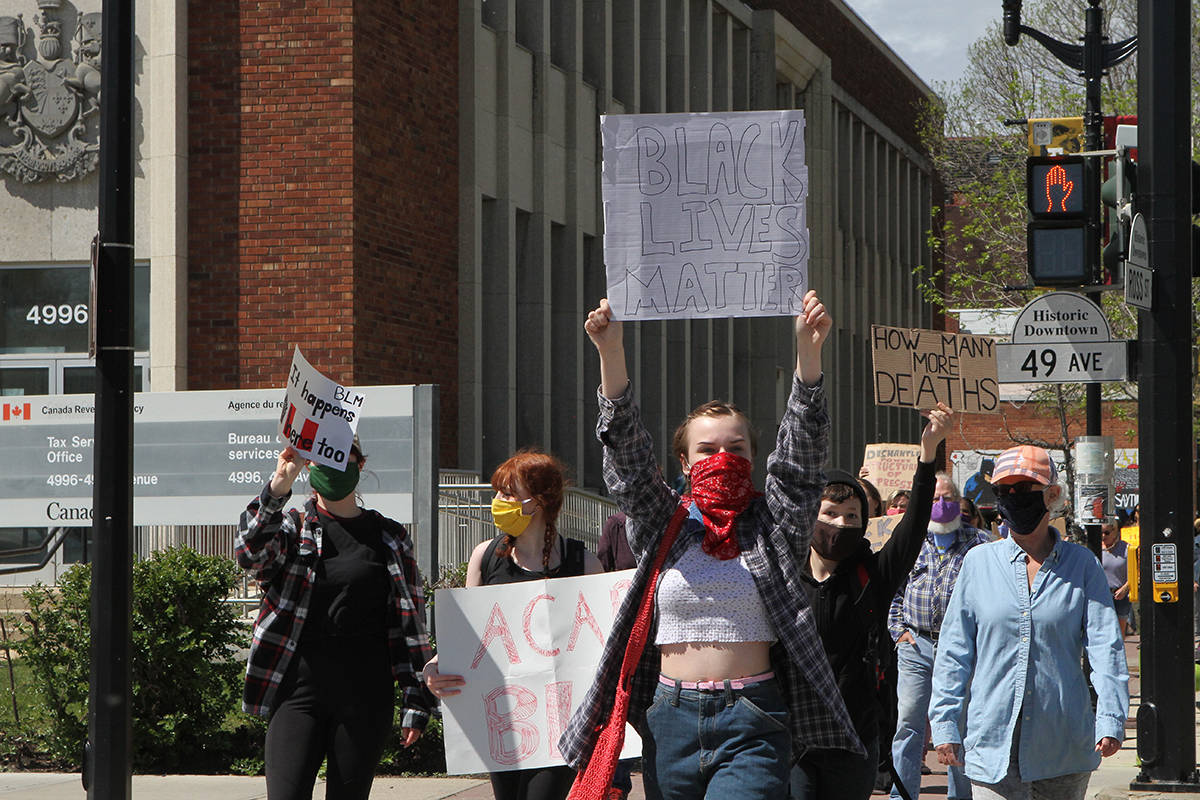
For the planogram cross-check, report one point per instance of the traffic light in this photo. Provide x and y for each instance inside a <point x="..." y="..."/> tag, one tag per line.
<point x="1062" y="245"/>
<point x="1119" y="193"/>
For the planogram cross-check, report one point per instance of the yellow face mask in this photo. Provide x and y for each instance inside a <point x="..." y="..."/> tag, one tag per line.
<point x="508" y="516"/>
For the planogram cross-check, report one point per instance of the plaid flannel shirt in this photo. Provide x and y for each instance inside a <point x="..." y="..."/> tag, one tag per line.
<point x="773" y="533"/>
<point x="281" y="554"/>
<point x="920" y="604"/>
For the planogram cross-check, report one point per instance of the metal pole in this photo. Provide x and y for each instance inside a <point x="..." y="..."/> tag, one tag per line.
<point x="1093" y="130"/>
<point x="1166" y="732"/>
<point x="107" y="761"/>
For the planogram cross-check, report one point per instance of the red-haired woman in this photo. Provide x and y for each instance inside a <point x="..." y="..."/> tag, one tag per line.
<point x="529" y="494"/>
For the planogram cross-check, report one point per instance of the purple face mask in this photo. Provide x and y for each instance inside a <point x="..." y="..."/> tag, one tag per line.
<point x="945" y="516"/>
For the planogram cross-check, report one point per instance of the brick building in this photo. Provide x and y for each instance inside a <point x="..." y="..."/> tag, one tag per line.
<point x="410" y="192"/>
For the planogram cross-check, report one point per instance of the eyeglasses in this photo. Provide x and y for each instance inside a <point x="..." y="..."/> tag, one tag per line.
<point x="1005" y="489"/>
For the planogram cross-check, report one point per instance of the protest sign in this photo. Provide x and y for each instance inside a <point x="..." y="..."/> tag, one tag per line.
<point x="528" y="652"/>
<point x="705" y="214"/>
<point x="880" y="529"/>
<point x="891" y="466"/>
<point x="918" y="368"/>
<point x="319" y="416"/>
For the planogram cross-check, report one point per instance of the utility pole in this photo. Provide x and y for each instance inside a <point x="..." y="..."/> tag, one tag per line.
<point x="1166" y="723"/>
<point x="107" y="772"/>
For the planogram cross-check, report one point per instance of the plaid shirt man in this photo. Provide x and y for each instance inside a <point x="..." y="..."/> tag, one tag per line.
<point x="921" y="603"/>
<point x="281" y="554"/>
<point x="773" y="534"/>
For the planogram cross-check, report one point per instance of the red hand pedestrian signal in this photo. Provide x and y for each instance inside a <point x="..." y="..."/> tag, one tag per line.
<point x="1058" y="188"/>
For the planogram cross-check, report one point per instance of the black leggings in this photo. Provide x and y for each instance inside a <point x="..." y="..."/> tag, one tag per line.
<point x="547" y="783"/>
<point x="336" y="708"/>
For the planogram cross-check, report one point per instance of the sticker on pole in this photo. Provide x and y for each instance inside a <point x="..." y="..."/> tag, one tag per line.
<point x="320" y="416"/>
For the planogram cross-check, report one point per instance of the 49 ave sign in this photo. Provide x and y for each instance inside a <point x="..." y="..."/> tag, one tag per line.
<point x="1062" y="337"/>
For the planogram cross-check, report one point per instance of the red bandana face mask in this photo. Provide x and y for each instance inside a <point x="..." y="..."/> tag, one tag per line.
<point x="722" y="487"/>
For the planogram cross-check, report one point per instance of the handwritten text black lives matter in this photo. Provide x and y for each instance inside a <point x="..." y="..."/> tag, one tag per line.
<point x="720" y="226"/>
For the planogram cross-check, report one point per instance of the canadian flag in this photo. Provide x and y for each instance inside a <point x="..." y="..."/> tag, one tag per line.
<point x="16" y="411"/>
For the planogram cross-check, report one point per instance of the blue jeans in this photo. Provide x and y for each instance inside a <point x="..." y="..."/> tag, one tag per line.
<point x="914" y="687"/>
<point x="718" y="744"/>
<point x="836" y="774"/>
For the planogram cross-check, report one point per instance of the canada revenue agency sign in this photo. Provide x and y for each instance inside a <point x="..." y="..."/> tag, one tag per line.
<point x="198" y="457"/>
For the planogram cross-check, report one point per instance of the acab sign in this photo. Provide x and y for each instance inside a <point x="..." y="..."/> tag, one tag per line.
<point x="1062" y="337"/>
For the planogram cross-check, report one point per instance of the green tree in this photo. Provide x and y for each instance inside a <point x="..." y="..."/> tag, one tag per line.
<point x="979" y="228"/>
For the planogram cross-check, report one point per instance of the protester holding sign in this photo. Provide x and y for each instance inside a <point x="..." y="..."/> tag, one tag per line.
<point x="713" y="657"/>
<point x="341" y="622"/>
<point x="850" y="589"/>
<point x="529" y="494"/>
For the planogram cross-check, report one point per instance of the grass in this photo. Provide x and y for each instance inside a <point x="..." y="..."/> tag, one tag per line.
<point x="21" y="719"/>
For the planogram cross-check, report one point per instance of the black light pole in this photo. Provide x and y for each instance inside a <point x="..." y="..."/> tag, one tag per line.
<point x="1166" y="719"/>
<point x="1091" y="58"/>
<point x="107" y="760"/>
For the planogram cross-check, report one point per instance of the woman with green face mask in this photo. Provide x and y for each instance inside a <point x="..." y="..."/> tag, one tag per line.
<point x="529" y="494"/>
<point x="341" y="623"/>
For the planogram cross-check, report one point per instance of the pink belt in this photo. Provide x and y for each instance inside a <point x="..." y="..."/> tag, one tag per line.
<point x="716" y="686"/>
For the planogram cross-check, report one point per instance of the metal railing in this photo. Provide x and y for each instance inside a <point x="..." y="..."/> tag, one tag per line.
<point x="465" y="516"/>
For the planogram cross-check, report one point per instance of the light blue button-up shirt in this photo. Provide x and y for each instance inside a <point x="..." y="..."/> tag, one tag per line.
<point x="1008" y="649"/>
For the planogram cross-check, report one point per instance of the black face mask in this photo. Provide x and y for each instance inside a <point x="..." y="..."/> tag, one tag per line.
<point x="835" y="543"/>
<point x="1022" y="510"/>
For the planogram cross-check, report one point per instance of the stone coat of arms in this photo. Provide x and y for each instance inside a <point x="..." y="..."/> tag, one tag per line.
<point x="48" y="103"/>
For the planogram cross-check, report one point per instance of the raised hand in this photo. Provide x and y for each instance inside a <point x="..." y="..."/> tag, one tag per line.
<point x="812" y="329"/>
<point x="605" y="332"/>
<point x="936" y="428"/>
<point x="607" y="335"/>
<point x="286" y="470"/>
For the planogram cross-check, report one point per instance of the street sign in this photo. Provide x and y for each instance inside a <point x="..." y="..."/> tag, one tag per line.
<point x="1138" y="275"/>
<point x="1062" y="362"/>
<point x="1062" y="337"/>
<point x="198" y="457"/>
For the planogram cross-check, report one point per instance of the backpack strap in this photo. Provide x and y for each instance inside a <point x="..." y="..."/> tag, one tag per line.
<point x="574" y="561"/>
<point x="491" y="561"/>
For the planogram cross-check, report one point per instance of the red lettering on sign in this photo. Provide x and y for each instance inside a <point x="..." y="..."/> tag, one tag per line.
<point x="526" y="625"/>
<point x="497" y="627"/>
<point x="558" y="712"/>
<point x="504" y="725"/>
<point x="583" y="616"/>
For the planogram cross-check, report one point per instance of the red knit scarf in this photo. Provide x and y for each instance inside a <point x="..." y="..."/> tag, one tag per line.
<point x="722" y="487"/>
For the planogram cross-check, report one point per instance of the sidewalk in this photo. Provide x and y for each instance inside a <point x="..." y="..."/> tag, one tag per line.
<point x="1109" y="782"/>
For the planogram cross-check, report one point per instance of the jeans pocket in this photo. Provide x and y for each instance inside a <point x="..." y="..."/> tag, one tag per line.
<point x="776" y="720"/>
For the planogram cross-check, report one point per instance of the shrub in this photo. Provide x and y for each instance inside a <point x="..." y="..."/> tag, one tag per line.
<point x="185" y="676"/>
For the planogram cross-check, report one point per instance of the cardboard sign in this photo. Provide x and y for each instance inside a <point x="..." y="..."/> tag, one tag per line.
<point x="705" y="214"/>
<point x="891" y="466"/>
<point x="917" y="368"/>
<point x="528" y="652"/>
<point x="880" y="529"/>
<point x="319" y="416"/>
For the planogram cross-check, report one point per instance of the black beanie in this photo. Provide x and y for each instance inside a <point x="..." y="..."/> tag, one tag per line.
<point x="841" y="476"/>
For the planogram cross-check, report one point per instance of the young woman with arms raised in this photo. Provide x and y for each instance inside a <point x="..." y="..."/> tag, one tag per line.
<point x="713" y="656"/>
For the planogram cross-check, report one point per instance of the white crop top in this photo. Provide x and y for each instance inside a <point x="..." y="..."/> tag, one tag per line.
<point x="705" y="599"/>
